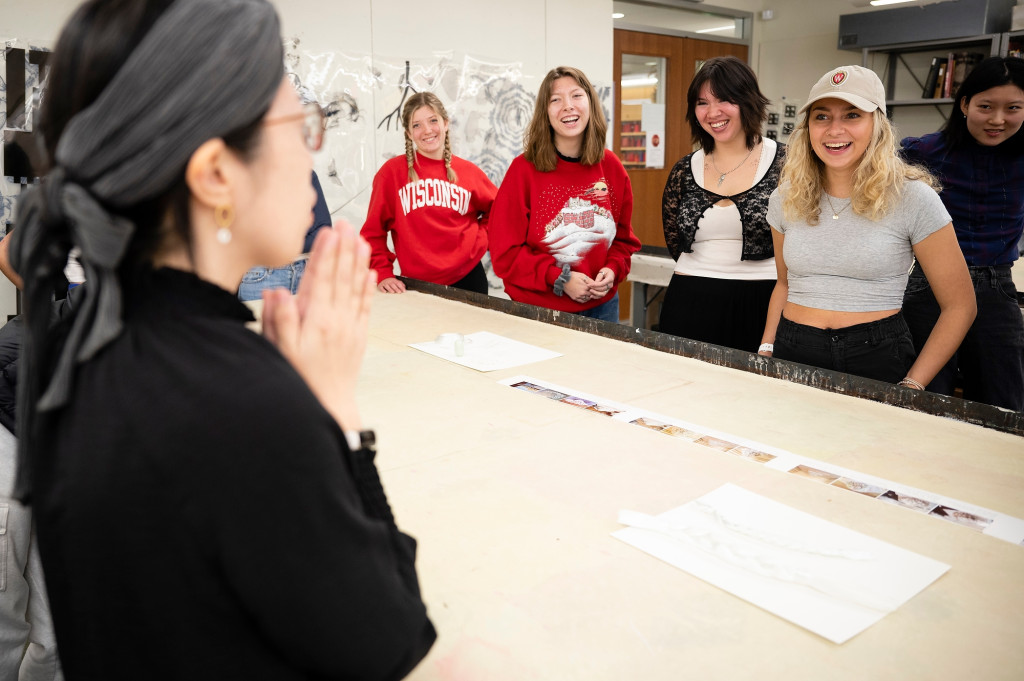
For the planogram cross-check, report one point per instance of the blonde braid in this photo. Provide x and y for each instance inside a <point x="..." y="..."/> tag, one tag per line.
<point x="452" y="177"/>
<point x="410" y="159"/>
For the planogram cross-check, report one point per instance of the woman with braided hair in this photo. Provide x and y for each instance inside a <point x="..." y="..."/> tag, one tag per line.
<point x="189" y="527"/>
<point x="435" y="206"/>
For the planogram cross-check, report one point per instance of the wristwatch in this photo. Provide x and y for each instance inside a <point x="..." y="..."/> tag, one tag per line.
<point x="360" y="440"/>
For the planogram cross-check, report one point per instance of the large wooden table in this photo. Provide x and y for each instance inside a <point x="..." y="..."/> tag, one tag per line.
<point x="513" y="499"/>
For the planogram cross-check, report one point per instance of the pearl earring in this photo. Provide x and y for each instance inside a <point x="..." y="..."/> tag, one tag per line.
<point x="224" y="216"/>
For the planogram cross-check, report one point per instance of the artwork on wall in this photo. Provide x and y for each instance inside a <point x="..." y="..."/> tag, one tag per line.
<point x="363" y="97"/>
<point x="22" y="84"/>
<point x="490" y="105"/>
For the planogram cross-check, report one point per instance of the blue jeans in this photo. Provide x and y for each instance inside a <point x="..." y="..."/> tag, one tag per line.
<point x="882" y="350"/>
<point x="258" y="279"/>
<point x="990" y="359"/>
<point x="28" y="646"/>
<point x="607" y="311"/>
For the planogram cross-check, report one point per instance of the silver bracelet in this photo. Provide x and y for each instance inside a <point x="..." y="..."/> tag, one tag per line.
<point x="766" y="347"/>
<point x="908" y="382"/>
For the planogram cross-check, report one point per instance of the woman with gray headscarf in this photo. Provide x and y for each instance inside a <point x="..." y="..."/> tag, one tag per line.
<point x="189" y="527"/>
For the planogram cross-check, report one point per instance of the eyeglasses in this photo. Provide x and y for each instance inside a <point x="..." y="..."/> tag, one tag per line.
<point x="313" y="123"/>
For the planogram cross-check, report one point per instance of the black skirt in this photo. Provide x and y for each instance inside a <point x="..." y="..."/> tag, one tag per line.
<point x="728" y="312"/>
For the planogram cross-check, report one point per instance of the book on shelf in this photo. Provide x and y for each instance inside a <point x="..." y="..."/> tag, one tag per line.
<point x="947" y="86"/>
<point x="946" y="74"/>
<point x="931" y="79"/>
<point x="940" y="82"/>
<point x="963" y="63"/>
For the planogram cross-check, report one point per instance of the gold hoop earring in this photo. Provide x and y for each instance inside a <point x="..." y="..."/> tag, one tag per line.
<point x="224" y="217"/>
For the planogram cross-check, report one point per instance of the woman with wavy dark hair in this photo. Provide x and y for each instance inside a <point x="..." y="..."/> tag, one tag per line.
<point x="191" y="528"/>
<point x="713" y="212"/>
<point x="561" y="236"/>
<point x="434" y="205"/>
<point x="978" y="156"/>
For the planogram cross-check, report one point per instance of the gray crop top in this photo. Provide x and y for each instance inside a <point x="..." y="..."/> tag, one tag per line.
<point x="854" y="264"/>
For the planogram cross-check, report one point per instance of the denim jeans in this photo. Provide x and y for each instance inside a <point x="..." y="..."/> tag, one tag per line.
<point x="256" y="280"/>
<point x="882" y="350"/>
<point x="990" y="359"/>
<point x="28" y="646"/>
<point x="607" y="311"/>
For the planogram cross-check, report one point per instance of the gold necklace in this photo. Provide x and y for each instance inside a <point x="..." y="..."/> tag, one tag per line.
<point x="835" y="213"/>
<point x="721" y="175"/>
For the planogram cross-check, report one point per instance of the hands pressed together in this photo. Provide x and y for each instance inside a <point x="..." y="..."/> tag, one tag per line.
<point x="582" y="288"/>
<point x="322" y="330"/>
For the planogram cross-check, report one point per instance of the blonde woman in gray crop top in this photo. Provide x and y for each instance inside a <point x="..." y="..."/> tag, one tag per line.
<point x="848" y="220"/>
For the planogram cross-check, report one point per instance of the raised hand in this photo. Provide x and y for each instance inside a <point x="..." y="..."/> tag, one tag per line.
<point x="322" y="330"/>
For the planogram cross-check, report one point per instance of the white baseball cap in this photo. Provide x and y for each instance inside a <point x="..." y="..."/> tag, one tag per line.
<point x="854" y="84"/>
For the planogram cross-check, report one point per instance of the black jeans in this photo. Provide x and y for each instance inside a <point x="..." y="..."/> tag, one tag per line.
<point x="476" y="280"/>
<point x="883" y="350"/>
<point x="991" y="356"/>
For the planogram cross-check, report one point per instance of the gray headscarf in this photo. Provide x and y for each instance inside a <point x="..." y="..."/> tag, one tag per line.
<point x="204" y="69"/>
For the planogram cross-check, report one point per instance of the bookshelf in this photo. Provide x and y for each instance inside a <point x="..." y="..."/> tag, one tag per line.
<point x="906" y="66"/>
<point x="633" y="144"/>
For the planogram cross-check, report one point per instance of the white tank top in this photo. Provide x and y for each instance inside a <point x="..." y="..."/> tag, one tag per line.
<point x="718" y="243"/>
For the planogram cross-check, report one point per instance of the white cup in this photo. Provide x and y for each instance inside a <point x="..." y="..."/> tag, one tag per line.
<point x="455" y="341"/>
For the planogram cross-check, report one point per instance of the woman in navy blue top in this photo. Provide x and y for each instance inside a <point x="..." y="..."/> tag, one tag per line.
<point x="978" y="156"/>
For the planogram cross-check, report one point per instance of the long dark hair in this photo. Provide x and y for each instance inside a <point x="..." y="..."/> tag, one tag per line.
<point x="731" y="80"/>
<point x="989" y="73"/>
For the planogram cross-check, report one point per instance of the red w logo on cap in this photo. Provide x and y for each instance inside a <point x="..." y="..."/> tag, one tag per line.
<point x="838" y="77"/>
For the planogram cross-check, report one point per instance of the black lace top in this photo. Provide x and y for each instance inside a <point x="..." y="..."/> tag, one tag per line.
<point x="685" y="202"/>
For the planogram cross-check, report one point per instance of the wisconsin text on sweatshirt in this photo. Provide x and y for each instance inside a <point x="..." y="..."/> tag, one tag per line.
<point x="434" y="192"/>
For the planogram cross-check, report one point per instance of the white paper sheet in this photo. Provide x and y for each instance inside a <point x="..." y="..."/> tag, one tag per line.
<point x="824" y="577"/>
<point x="485" y="351"/>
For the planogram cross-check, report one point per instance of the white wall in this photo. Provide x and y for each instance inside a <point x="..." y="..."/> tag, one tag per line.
<point x="34" y="21"/>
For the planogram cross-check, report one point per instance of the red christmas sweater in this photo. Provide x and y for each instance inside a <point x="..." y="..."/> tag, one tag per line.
<point x="438" y="228"/>
<point x="576" y="214"/>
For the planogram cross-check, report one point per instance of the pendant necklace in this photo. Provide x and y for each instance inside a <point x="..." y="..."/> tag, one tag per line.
<point x="835" y="213"/>
<point x="721" y="175"/>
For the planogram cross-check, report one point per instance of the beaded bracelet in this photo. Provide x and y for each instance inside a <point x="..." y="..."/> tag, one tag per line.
<point x="908" y="382"/>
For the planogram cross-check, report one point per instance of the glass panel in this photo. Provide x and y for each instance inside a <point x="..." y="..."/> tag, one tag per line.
<point x="708" y="24"/>
<point x="642" y="118"/>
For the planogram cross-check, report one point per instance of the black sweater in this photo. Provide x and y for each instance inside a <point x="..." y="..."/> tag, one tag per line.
<point x="200" y="515"/>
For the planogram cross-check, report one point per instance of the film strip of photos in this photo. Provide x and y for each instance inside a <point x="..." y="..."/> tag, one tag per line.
<point x="979" y="519"/>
